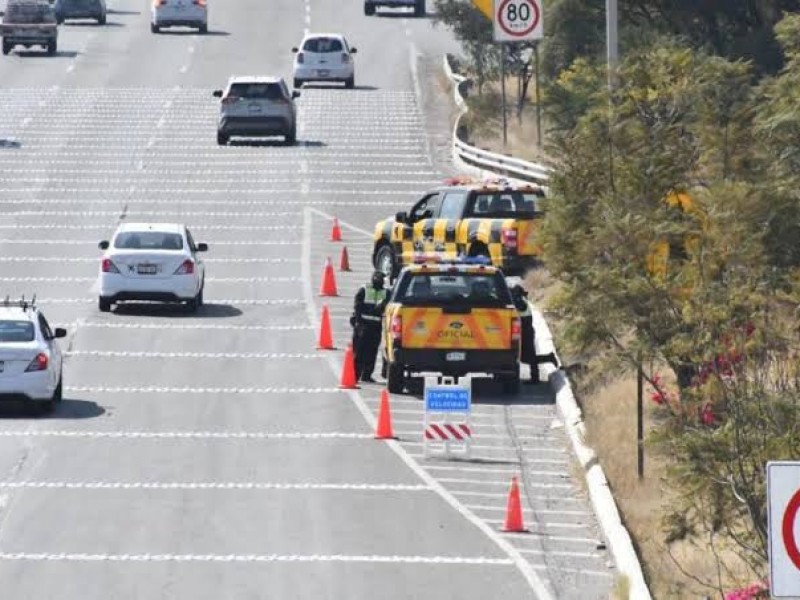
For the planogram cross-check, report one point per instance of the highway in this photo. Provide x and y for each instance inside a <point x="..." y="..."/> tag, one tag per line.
<point x="213" y="456"/>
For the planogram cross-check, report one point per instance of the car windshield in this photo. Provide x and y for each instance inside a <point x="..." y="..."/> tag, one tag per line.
<point x="148" y="240"/>
<point x="463" y="289"/>
<point x="16" y="331"/>
<point x="506" y="204"/>
<point x="323" y="45"/>
<point x="29" y="13"/>
<point x="256" y="91"/>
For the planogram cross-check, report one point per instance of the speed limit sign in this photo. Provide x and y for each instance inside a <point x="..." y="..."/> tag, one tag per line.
<point x="517" y="20"/>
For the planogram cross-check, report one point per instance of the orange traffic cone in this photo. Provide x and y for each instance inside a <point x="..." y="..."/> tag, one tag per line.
<point x="336" y="232"/>
<point x="344" y="262"/>
<point x="514" y="522"/>
<point x="328" y="287"/>
<point x="325" y="341"/>
<point x="348" y="379"/>
<point x="384" y="429"/>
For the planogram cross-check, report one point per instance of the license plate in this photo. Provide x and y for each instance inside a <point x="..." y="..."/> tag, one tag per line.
<point x="323" y="72"/>
<point x="147" y="269"/>
<point x="454" y="356"/>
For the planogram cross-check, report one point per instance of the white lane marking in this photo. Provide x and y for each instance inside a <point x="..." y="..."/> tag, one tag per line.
<point x="208" y="279"/>
<point x="545" y="525"/>
<point x="534" y="581"/>
<point x="259" y="558"/>
<point x="88" y="259"/>
<point x="71" y="68"/>
<point x="192" y="435"/>
<point x="543" y="486"/>
<point x="214" y="355"/>
<point x="492" y="470"/>
<point x="230" y="301"/>
<point x="209" y="485"/>
<point x="183" y="69"/>
<point x="155" y="213"/>
<point x="102" y="389"/>
<point x="194" y="326"/>
<point x="580" y="572"/>
<point x="556" y="538"/>
<point x="248" y="191"/>
<point x="561" y="553"/>
<point x="107" y="227"/>
<point x="90" y="242"/>
<point x="502" y="508"/>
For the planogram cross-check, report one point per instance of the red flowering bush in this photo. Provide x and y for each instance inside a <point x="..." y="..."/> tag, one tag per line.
<point x="754" y="591"/>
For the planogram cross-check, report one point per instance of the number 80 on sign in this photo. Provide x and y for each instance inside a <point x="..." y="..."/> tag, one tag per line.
<point x="517" y="20"/>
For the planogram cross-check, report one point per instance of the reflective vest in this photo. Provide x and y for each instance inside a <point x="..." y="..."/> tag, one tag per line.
<point x="373" y="300"/>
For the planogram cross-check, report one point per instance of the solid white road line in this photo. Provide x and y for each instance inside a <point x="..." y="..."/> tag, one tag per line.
<point x="214" y="355"/>
<point x="199" y="390"/>
<point x="211" y="485"/>
<point x="191" y="435"/>
<point x="192" y="326"/>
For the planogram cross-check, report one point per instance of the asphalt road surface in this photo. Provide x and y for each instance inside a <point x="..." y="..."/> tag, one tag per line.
<point x="213" y="456"/>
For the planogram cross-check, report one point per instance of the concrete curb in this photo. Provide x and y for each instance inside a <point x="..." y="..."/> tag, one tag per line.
<point x="619" y="540"/>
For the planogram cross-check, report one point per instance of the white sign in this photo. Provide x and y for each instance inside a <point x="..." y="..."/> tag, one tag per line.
<point x="783" y="497"/>
<point x="518" y="20"/>
<point x="448" y="404"/>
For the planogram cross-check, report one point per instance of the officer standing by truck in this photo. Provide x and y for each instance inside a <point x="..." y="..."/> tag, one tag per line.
<point x="528" y="350"/>
<point x="367" y="323"/>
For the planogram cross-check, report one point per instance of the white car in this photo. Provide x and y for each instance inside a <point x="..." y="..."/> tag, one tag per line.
<point x="157" y="262"/>
<point x="324" y="57"/>
<point x="179" y="13"/>
<point x="30" y="359"/>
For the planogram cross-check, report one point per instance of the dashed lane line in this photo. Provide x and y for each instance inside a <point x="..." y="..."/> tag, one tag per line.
<point x="154" y="213"/>
<point x="211" y="485"/>
<point x="91" y="242"/>
<point x="193" y="326"/>
<point x="541" y="486"/>
<point x="106" y="226"/>
<point x="257" y="558"/>
<point x="101" y="389"/>
<point x="229" y="301"/>
<point x="191" y="435"/>
<point x="88" y="259"/>
<point x="214" y="355"/>
<point x="208" y="279"/>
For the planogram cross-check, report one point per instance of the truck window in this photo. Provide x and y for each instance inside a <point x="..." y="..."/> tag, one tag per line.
<point x="505" y="205"/>
<point x="453" y="288"/>
<point x="425" y="208"/>
<point x="453" y="205"/>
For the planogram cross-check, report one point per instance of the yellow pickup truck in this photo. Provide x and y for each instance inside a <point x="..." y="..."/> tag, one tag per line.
<point x="464" y="218"/>
<point x="453" y="318"/>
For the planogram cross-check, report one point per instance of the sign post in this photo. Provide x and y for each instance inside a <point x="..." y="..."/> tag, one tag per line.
<point x="448" y="405"/>
<point x="783" y="499"/>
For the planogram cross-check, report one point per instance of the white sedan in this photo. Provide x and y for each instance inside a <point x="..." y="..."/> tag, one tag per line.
<point x="157" y="262"/>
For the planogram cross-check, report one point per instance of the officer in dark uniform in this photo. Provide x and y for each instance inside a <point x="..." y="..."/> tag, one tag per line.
<point x="528" y="351"/>
<point x="367" y="323"/>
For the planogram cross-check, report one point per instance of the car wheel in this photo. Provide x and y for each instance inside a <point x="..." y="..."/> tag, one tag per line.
<point x="154" y="28"/>
<point x="6" y="47"/>
<point x="350" y="83"/>
<point x="298" y="83"/>
<point x="58" y="394"/>
<point x="419" y="8"/>
<point x="200" y="299"/>
<point x="510" y="383"/>
<point x="104" y="304"/>
<point x="395" y="378"/>
<point x="386" y="262"/>
<point x="369" y="10"/>
<point x="60" y="20"/>
<point x="291" y="137"/>
<point x="52" y="47"/>
<point x="193" y="305"/>
<point x="222" y="138"/>
<point x="203" y="28"/>
<point x="101" y="20"/>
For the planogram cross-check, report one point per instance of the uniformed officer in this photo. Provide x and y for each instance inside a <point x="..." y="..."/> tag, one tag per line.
<point x="370" y="302"/>
<point x="528" y="350"/>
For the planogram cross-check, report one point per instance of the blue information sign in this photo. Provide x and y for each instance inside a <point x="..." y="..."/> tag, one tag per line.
<point x="447" y="399"/>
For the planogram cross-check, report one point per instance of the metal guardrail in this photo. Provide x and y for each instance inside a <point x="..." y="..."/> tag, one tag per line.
<point x="471" y="158"/>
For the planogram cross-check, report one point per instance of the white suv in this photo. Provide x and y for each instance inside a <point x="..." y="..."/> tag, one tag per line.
<point x="179" y="13"/>
<point x="156" y="262"/>
<point x="30" y="359"/>
<point x="324" y="57"/>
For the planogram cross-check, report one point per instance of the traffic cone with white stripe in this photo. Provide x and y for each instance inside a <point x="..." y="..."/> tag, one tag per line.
<point x="514" y="522"/>
<point x="344" y="262"/>
<point x="336" y="231"/>
<point x="325" y="341"/>
<point x="328" y="287"/>
<point x="348" y="378"/>
<point x="384" y="429"/>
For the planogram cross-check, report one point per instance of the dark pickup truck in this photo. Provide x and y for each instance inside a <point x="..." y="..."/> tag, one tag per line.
<point x="29" y="23"/>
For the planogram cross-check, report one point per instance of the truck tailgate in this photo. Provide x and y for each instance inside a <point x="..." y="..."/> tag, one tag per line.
<point x="475" y="329"/>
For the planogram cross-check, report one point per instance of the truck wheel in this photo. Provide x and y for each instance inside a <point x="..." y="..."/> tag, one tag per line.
<point x="52" y="47"/>
<point x="203" y="28"/>
<point x="419" y="8"/>
<point x="154" y="28"/>
<point x="298" y="83"/>
<point x="369" y="10"/>
<point x="291" y="137"/>
<point x="386" y="262"/>
<point x="101" y="20"/>
<point x="395" y="378"/>
<point x="510" y="383"/>
<point x="222" y="138"/>
<point x="6" y="47"/>
<point x="104" y="304"/>
<point x="350" y="83"/>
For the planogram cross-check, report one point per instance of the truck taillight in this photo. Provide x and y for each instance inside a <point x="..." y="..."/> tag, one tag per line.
<point x="38" y="364"/>
<point x="107" y="266"/>
<point x="509" y="238"/>
<point x="397" y="327"/>
<point x="516" y="330"/>
<point x="199" y="2"/>
<point x="187" y="268"/>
